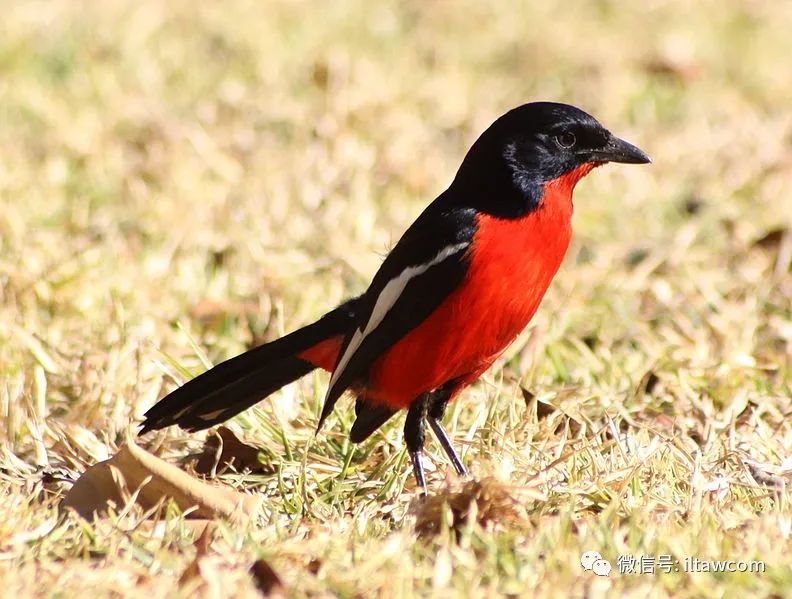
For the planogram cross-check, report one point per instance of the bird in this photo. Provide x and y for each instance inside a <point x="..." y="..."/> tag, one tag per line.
<point x="448" y="299"/>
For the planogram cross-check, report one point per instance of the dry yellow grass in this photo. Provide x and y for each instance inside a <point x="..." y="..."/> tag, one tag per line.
<point x="179" y="179"/>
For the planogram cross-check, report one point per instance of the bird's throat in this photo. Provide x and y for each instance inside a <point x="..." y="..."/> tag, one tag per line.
<point x="564" y="185"/>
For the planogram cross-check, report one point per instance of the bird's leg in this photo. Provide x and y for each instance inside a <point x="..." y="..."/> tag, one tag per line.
<point x="435" y="418"/>
<point x="448" y="448"/>
<point x="414" y="437"/>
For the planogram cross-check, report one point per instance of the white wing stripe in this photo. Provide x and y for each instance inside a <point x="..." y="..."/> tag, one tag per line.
<point x="385" y="301"/>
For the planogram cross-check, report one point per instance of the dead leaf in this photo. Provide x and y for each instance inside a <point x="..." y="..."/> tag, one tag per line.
<point x="543" y="409"/>
<point x="134" y="474"/>
<point x="681" y="69"/>
<point x="528" y="396"/>
<point x="267" y="580"/>
<point x="202" y="544"/>
<point x="314" y="566"/>
<point x="489" y="501"/>
<point x="647" y="383"/>
<point x="772" y="238"/>
<point x="225" y="450"/>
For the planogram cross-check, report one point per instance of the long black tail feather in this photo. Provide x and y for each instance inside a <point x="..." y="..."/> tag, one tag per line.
<point x="235" y="385"/>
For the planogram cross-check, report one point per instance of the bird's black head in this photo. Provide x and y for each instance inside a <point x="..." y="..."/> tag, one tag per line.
<point x="532" y="145"/>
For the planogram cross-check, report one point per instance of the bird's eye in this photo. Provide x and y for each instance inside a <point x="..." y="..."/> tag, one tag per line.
<point x="566" y="139"/>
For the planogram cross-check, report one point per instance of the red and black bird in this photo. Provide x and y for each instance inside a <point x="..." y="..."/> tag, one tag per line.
<point x="462" y="282"/>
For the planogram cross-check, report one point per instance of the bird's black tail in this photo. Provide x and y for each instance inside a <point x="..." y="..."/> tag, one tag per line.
<point x="236" y="384"/>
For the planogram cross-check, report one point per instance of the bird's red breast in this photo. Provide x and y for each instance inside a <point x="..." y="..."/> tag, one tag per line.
<point x="512" y="262"/>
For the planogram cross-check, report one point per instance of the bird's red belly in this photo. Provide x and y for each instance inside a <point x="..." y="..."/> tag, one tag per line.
<point x="511" y="265"/>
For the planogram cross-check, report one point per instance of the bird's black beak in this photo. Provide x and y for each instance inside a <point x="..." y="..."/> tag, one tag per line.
<point x="618" y="150"/>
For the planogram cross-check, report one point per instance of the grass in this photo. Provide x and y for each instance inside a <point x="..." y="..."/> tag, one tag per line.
<point x="180" y="181"/>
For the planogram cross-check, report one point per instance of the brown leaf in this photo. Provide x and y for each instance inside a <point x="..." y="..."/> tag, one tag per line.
<point x="202" y="544"/>
<point x="528" y="396"/>
<point x="135" y="474"/>
<point x="575" y="425"/>
<point x="267" y="580"/>
<point x="543" y="409"/>
<point x="225" y="450"/>
<point x="683" y="70"/>
<point x="772" y="238"/>
<point x="489" y="499"/>
<point x="647" y="383"/>
<point x="314" y="566"/>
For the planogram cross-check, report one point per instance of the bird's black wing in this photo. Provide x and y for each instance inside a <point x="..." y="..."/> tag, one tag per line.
<point x="428" y="263"/>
